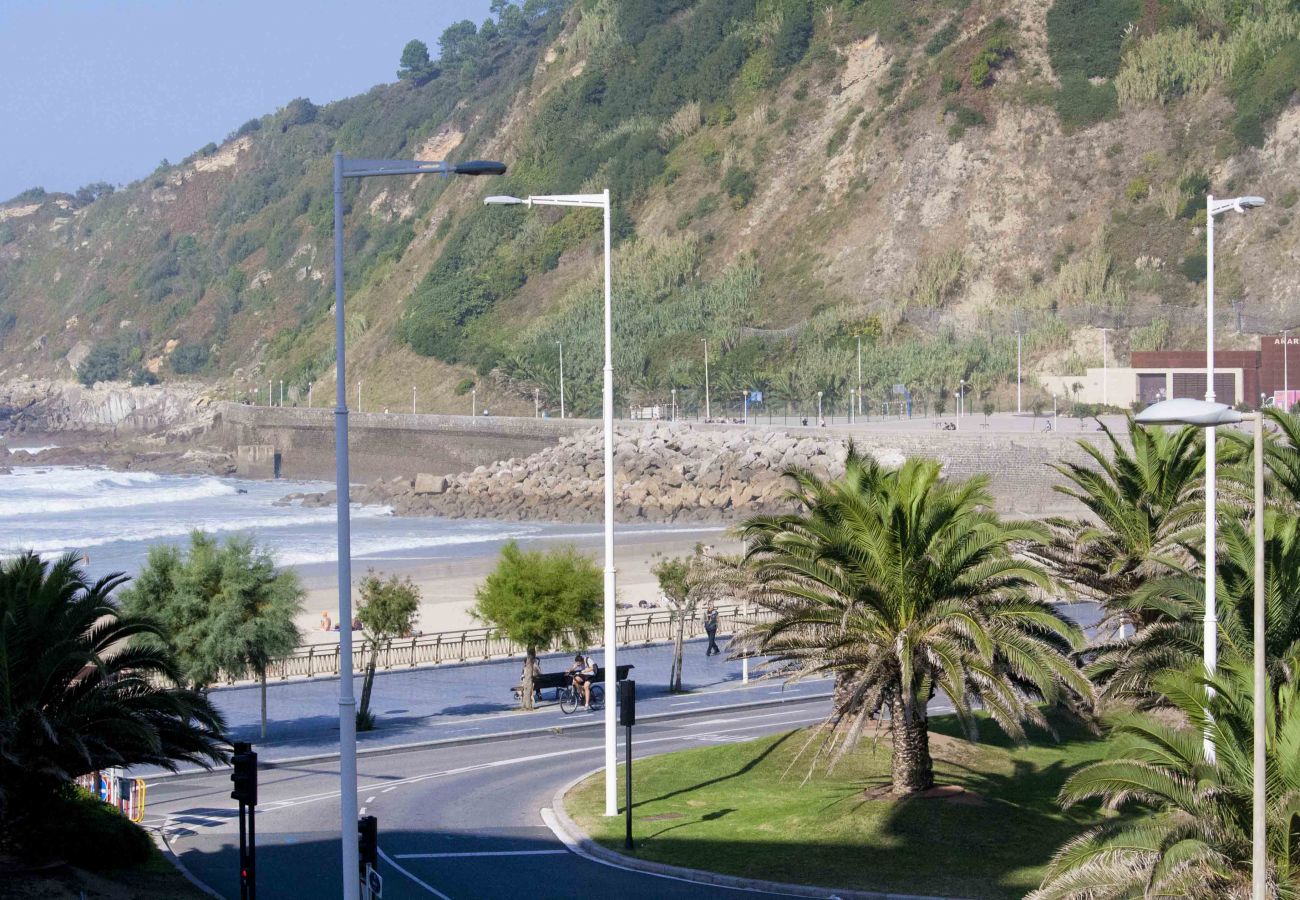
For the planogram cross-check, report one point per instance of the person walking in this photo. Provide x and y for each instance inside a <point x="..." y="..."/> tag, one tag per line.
<point x="711" y="629"/>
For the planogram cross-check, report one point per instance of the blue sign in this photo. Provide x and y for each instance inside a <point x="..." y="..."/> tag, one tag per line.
<point x="756" y="396"/>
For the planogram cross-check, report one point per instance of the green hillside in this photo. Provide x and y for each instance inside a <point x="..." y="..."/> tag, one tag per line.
<point x="789" y="178"/>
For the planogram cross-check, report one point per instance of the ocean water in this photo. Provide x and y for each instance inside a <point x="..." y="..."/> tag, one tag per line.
<point x="115" y="517"/>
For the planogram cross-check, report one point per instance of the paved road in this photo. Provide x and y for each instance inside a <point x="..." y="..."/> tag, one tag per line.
<point x="455" y="822"/>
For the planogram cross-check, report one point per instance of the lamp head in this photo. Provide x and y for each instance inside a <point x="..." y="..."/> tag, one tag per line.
<point x="1245" y="203"/>
<point x="479" y="167"/>
<point x="501" y="200"/>
<point x="1187" y="411"/>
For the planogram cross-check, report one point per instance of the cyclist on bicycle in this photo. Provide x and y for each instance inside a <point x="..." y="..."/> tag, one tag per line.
<point x="583" y="671"/>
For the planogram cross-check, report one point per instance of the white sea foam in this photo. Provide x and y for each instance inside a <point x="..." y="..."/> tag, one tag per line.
<point x="11" y="507"/>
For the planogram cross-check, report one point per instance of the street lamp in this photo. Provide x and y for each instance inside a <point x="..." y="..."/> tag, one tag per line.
<point x="559" y="344"/>
<point x="819" y="407"/>
<point x="600" y="201"/>
<point x="358" y="168"/>
<point x="1213" y="208"/>
<point x="707" y="413"/>
<point x="859" y="375"/>
<point x="1207" y="414"/>
<point x="473" y="401"/>
<point x="412" y="399"/>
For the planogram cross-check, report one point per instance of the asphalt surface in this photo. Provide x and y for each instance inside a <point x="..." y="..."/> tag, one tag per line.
<point x="455" y="822"/>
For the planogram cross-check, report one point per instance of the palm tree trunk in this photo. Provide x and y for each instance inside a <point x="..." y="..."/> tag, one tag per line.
<point x="526" y="691"/>
<point x="912" y="769"/>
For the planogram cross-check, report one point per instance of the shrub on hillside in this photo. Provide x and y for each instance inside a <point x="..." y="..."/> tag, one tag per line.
<point x="1193" y="267"/>
<point x="189" y="358"/>
<point x="1085" y="37"/>
<point x="105" y="362"/>
<point x="1261" y="89"/>
<point x="739" y="184"/>
<point x="1080" y="103"/>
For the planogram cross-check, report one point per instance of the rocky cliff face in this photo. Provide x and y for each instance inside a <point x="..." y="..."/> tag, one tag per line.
<point x="167" y="414"/>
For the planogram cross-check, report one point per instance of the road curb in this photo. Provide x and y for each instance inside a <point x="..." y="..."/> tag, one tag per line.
<point x="577" y="840"/>
<point x="165" y="848"/>
<point x="483" y="738"/>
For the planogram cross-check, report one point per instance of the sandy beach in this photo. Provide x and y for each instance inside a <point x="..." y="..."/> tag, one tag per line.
<point x="448" y="583"/>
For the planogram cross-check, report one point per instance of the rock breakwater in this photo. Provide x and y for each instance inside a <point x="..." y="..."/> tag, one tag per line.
<point x="663" y="474"/>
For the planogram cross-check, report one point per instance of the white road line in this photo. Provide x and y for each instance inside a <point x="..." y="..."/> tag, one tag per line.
<point x="370" y="799"/>
<point x="275" y="805"/>
<point x="686" y="703"/>
<point x="481" y="853"/>
<point x="428" y="887"/>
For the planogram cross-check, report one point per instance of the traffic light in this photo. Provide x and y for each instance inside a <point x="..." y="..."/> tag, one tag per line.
<point x="244" y="775"/>
<point x="627" y="703"/>
<point x="368" y="843"/>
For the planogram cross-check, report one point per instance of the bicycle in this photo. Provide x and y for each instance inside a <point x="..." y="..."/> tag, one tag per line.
<point x="571" y="698"/>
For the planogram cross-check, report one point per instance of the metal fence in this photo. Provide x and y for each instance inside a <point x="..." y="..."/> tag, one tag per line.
<point x="472" y="644"/>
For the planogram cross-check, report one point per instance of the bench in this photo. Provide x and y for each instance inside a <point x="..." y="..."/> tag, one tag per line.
<point x="553" y="681"/>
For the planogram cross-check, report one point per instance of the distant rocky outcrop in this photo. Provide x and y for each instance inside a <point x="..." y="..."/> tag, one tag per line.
<point x="169" y="414"/>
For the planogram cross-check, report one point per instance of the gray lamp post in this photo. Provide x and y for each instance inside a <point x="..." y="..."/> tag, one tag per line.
<point x="1207" y="414"/>
<point x="358" y="168"/>
<point x="600" y="201"/>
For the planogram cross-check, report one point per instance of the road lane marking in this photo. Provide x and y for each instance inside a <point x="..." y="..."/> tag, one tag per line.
<point x="481" y="853"/>
<point x="268" y="806"/>
<point x="370" y="799"/>
<point x="428" y="887"/>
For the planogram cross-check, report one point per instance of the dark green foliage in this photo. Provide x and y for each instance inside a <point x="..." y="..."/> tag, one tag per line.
<point x="1080" y="103"/>
<point x="188" y="359"/>
<point x="1084" y="40"/>
<point x="415" y="65"/>
<point x="105" y="362"/>
<point x="1193" y="187"/>
<point x="1261" y="89"/>
<point x="79" y="693"/>
<point x="995" y="49"/>
<point x="299" y="111"/>
<point x="1084" y="37"/>
<point x="89" y="193"/>
<point x="86" y="832"/>
<point x="791" y="40"/>
<point x="249" y="127"/>
<point x="1193" y="267"/>
<point x="964" y="117"/>
<point x="949" y="84"/>
<point x="31" y="195"/>
<point x="464" y="386"/>
<point x="942" y="38"/>
<point x="535" y="597"/>
<point x="739" y="185"/>
<point x="142" y="377"/>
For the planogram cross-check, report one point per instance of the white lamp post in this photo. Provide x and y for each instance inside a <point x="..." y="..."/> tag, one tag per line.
<point x="1019" y="377"/>
<point x="708" y="414"/>
<point x="674" y="404"/>
<point x="359" y="406"/>
<point x="1211" y="634"/>
<point x="819" y="407"/>
<point x="537" y="403"/>
<point x="473" y="402"/>
<point x="1207" y="414"/>
<point x="412" y="399"/>
<point x="559" y="344"/>
<point x="859" y="374"/>
<point x="600" y="201"/>
<point x="1105" y="366"/>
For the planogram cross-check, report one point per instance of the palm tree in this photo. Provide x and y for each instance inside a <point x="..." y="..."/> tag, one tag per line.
<point x="900" y="585"/>
<point x="79" y="693"/>
<point x="1192" y="837"/>
<point x="1282" y="454"/>
<point x="1174" y="605"/>
<point x="1144" y="504"/>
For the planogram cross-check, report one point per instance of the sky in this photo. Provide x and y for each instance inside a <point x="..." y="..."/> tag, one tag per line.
<point x="103" y="90"/>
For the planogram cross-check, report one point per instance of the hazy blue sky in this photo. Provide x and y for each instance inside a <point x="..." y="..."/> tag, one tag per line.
<point x="102" y="90"/>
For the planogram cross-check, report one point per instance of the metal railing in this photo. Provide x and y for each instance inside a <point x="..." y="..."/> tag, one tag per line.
<point x="474" y="644"/>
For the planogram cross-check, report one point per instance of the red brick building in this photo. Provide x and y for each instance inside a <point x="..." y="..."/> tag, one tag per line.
<point x="1267" y="371"/>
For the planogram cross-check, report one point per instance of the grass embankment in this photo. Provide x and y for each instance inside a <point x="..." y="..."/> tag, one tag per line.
<point x="152" y="879"/>
<point x="736" y="809"/>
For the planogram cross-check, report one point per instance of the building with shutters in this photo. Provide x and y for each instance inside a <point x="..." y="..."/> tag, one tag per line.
<point x="1240" y="377"/>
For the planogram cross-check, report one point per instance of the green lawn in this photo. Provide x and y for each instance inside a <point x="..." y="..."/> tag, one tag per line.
<point x="735" y="808"/>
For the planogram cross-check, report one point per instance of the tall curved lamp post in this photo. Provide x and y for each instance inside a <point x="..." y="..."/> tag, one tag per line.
<point x="359" y="168"/>
<point x="1211" y="631"/>
<point x="1207" y="414"/>
<point x="601" y="202"/>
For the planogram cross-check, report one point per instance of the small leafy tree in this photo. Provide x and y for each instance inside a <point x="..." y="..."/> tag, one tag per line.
<point x="673" y="575"/>
<point x="988" y="409"/>
<point x="224" y="606"/>
<point x="536" y="598"/>
<point x="387" y="610"/>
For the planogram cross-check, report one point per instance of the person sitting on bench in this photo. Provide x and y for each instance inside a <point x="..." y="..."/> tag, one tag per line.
<point x="536" y="665"/>
<point x="583" y="671"/>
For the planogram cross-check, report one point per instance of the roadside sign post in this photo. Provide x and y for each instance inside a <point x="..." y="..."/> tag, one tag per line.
<point x="627" y="717"/>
